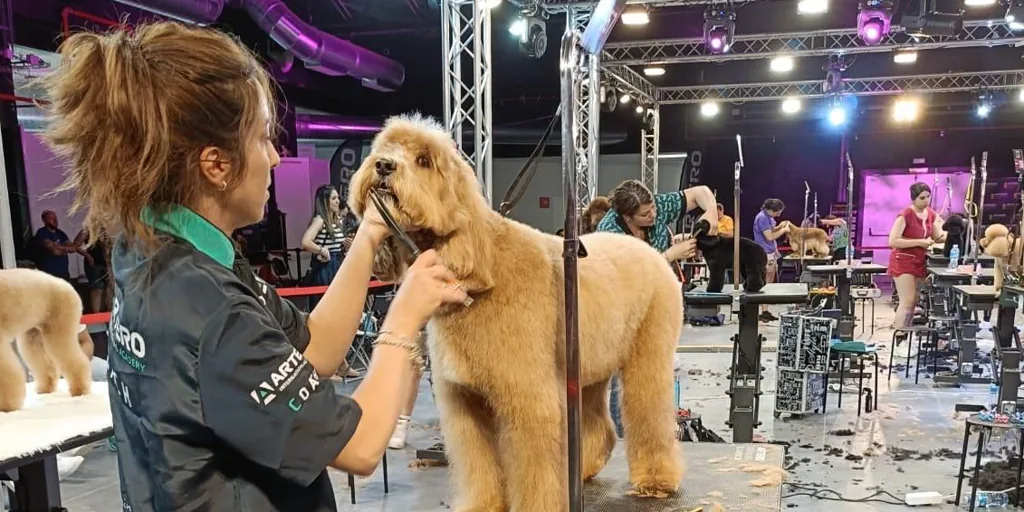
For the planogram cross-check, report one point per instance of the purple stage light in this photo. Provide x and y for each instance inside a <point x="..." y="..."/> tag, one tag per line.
<point x="873" y="26"/>
<point x="716" y="43"/>
<point x="718" y="40"/>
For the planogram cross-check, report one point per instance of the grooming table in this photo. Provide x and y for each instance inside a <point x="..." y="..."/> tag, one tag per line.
<point x="984" y="260"/>
<point x="945" y="278"/>
<point x="801" y="264"/>
<point x="843" y="275"/>
<point x="745" y="376"/>
<point x="967" y="299"/>
<point x="49" y="424"/>
<point x="710" y="467"/>
<point x="1009" y="352"/>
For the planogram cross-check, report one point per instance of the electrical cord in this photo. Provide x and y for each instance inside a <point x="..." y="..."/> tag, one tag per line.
<point x="830" y="495"/>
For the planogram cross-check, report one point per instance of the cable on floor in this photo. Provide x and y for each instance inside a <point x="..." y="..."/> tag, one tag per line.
<point x="830" y="495"/>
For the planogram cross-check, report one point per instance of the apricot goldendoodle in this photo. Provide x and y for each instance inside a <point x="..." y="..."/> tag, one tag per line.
<point x="43" y="313"/>
<point x="499" y="368"/>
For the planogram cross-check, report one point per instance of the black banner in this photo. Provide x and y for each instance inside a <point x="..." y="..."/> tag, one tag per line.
<point x="345" y="163"/>
<point x="689" y="177"/>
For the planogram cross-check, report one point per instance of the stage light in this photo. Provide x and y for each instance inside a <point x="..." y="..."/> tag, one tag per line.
<point x="984" y="110"/>
<point x="1020" y="96"/>
<point x="635" y="17"/>
<point x="873" y="22"/>
<point x="837" y="116"/>
<point x="979" y="3"/>
<point x="719" y="28"/>
<point x="812" y="6"/>
<point x="782" y="64"/>
<point x="933" y="18"/>
<point x="905" y="110"/>
<point x="517" y="28"/>
<point x="624" y="98"/>
<point x="904" y="57"/>
<point x="709" y="109"/>
<point x="639" y="109"/>
<point x="491" y="4"/>
<point x="791" y="105"/>
<point x="654" y="71"/>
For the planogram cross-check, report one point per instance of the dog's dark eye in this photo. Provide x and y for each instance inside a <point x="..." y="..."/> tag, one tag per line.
<point x="423" y="161"/>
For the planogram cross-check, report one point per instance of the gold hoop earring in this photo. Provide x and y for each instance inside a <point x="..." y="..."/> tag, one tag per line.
<point x="223" y="186"/>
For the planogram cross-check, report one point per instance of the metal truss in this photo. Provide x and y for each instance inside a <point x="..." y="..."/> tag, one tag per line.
<point x="627" y="80"/>
<point x="802" y="44"/>
<point x="466" y="38"/>
<point x="561" y="5"/>
<point x="586" y="111"/>
<point x="949" y="82"/>
<point x="649" y="151"/>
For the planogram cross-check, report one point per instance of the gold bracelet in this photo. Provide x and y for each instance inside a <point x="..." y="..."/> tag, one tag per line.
<point x="414" y="346"/>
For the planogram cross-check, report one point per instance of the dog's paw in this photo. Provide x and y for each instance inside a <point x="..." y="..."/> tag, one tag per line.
<point x="661" y="484"/>
<point x="45" y="385"/>
<point x="11" y="403"/>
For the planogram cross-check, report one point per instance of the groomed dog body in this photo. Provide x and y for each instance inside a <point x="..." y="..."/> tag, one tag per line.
<point x="718" y="254"/>
<point x="498" y="364"/>
<point x="802" y="240"/>
<point x="43" y="313"/>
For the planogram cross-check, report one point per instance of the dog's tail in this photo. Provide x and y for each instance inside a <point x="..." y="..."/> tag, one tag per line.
<point x="595" y="211"/>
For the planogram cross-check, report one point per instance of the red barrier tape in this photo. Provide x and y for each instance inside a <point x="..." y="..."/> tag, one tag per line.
<point x="302" y="291"/>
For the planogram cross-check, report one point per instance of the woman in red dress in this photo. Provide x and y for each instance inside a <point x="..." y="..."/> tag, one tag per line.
<point x="912" y="235"/>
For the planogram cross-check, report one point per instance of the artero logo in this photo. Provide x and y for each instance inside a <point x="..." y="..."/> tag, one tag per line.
<point x="264" y="394"/>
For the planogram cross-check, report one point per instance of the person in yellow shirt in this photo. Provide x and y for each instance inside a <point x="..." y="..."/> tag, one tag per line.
<point x="725" y="224"/>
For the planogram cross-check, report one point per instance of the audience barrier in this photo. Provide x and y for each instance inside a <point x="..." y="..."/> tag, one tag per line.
<point x="298" y="291"/>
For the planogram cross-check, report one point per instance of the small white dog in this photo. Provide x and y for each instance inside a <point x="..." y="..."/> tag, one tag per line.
<point x="43" y="313"/>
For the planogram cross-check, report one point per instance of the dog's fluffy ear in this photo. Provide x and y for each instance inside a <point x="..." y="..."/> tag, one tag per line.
<point x="391" y="261"/>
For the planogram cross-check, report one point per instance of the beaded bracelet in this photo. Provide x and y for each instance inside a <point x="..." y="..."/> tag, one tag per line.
<point x="414" y="346"/>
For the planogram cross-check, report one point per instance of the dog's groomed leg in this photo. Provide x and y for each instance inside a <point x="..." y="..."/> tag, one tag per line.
<point x="598" y="430"/>
<point x="60" y="339"/>
<point x="12" y="377"/>
<point x="655" y="468"/>
<point x="469" y="433"/>
<point x="531" y="443"/>
<point x="44" y="372"/>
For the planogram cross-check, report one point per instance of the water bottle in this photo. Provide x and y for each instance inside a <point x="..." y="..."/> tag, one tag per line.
<point x="954" y="257"/>
<point x="993" y="398"/>
<point x="678" y="378"/>
<point x="987" y="499"/>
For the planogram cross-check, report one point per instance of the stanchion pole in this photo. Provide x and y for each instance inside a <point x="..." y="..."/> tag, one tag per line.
<point x="6" y="226"/>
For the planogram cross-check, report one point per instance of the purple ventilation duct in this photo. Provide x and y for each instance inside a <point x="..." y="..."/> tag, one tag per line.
<point x="202" y="12"/>
<point x="320" y="51"/>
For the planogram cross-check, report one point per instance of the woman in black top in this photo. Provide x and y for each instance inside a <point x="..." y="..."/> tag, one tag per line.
<point x="94" y="254"/>
<point x="214" y="380"/>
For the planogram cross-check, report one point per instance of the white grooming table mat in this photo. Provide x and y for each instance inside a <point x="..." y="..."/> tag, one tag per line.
<point x="715" y="473"/>
<point x="46" y="421"/>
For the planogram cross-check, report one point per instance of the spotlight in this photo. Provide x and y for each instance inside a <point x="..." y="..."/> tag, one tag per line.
<point x="837" y="116"/>
<point x="979" y="3"/>
<point x="873" y="20"/>
<point x="905" y="110"/>
<point x="709" y="109"/>
<point x="984" y="110"/>
<point x="491" y="4"/>
<point x="1015" y="14"/>
<point x="654" y="71"/>
<point x="834" y="70"/>
<point x="719" y="28"/>
<point x="782" y="64"/>
<point x="791" y="106"/>
<point x="609" y="98"/>
<point x="532" y="34"/>
<point x="635" y="17"/>
<point x="1020" y="97"/>
<point x="904" y="57"/>
<point x="984" y="103"/>
<point x="624" y="98"/>
<point x="639" y="109"/>
<point x="812" y="6"/>
<point x="930" y="20"/>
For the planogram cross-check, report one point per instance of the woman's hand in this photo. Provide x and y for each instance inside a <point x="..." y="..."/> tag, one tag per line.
<point x="682" y="251"/>
<point x="427" y="285"/>
<point x="926" y="243"/>
<point x="372" y="225"/>
<point x="324" y="255"/>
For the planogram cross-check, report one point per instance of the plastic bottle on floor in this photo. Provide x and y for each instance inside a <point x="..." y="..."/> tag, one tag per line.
<point x="954" y="257"/>
<point x="993" y="397"/>
<point x="987" y="499"/>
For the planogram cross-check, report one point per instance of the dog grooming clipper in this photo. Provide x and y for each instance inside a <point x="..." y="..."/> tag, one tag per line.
<point x="402" y="236"/>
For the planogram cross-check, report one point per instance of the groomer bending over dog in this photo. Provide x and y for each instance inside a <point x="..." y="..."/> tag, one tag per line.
<point x="214" y="380"/>
<point x="637" y="212"/>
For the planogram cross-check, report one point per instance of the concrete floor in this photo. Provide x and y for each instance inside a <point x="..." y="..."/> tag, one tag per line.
<point x="892" y="449"/>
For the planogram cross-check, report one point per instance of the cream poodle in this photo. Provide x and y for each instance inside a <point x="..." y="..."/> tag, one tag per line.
<point x="43" y="313"/>
<point x="499" y="364"/>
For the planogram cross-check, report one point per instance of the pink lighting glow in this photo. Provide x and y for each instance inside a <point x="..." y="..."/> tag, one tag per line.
<point x="873" y="26"/>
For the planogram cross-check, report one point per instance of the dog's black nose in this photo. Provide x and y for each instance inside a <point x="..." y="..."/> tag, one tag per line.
<point x="385" y="166"/>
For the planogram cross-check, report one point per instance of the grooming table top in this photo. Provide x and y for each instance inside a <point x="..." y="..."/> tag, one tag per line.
<point x="977" y="291"/>
<point x="809" y="260"/>
<point x="856" y="268"/>
<point x="53" y="422"/>
<point x="711" y="468"/>
<point x="774" y="293"/>
<point x="985" y="260"/>
<point x="985" y="275"/>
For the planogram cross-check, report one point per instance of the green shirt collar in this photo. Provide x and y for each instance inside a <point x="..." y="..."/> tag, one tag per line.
<point x="188" y="225"/>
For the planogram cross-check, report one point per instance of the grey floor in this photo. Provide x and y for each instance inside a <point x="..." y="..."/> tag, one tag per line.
<point x="910" y="444"/>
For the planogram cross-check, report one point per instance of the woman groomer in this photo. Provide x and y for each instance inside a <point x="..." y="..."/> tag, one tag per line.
<point x="637" y="212"/>
<point x="913" y="232"/>
<point x="214" y="383"/>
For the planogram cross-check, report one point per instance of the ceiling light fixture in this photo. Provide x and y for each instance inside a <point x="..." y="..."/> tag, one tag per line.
<point x="782" y="64"/>
<point x="812" y="6"/>
<point x="635" y="17"/>
<point x="905" y="57"/>
<point x="654" y="71"/>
